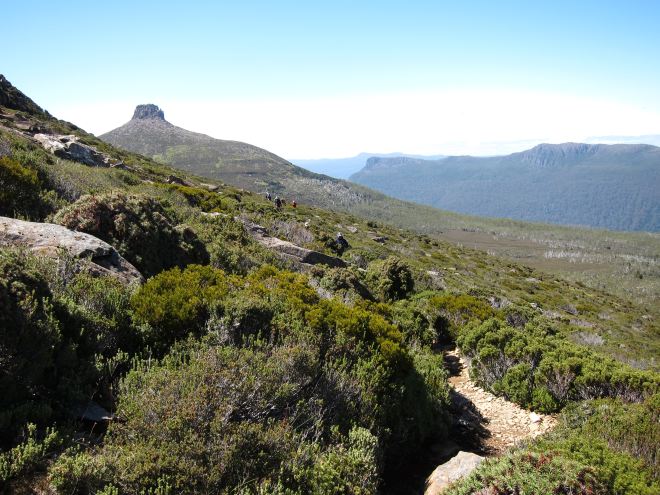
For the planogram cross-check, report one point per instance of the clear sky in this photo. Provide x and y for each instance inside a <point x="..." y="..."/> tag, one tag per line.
<point x="311" y="79"/>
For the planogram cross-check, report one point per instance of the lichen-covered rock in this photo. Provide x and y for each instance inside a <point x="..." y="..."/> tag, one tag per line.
<point x="49" y="239"/>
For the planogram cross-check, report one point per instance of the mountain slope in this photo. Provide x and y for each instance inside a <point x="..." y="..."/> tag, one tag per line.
<point x="606" y="186"/>
<point x="257" y="359"/>
<point x="237" y="163"/>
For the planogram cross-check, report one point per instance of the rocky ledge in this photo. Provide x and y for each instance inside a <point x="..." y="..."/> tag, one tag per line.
<point x="289" y="251"/>
<point x="148" y="112"/>
<point x="49" y="239"/>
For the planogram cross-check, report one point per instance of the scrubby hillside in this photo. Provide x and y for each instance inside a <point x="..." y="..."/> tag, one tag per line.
<point x="243" y="364"/>
<point x="594" y="258"/>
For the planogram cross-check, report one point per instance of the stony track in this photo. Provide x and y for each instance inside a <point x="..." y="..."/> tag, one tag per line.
<point x="494" y="423"/>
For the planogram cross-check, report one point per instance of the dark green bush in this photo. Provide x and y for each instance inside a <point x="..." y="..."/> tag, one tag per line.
<point x="390" y="279"/>
<point x="343" y="283"/>
<point x="218" y="419"/>
<point x="53" y="335"/>
<point x="229" y="246"/>
<point x="450" y="312"/>
<point x="287" y="393"/>
<point x="205" y="200"/>
<point x="31" y="340"/>
<point x="138" y="227"/>
<point x="618" y="441"/>
<point x="524" y="472"/>
<point x="29" y="455"/>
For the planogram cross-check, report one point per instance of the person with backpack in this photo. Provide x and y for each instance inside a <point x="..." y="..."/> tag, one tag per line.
<point x="341" y="243"/>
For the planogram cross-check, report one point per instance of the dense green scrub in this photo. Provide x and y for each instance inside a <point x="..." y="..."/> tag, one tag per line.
<point x="267" y="386"/>
<point x="537" y="368"/>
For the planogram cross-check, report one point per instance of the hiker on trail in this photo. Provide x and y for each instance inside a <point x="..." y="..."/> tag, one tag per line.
<point x="278" y="202"/>
<point x="341" y="243"/>
<point x="268" y="196"/>
<point x="293" y="203"/>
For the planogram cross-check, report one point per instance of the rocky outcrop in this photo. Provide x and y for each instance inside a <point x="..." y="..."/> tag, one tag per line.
<point x="48" y="239"/>
<point x="11" y="97"/>
<point x="551" y="155"/>
<point x="148" y="112"/>
<point x="288" y="250"/>
<point x="457" y="467"/>
<point x="173" y="179"/>
<point x="299" y="254"/>
<point x="68" y="148"/>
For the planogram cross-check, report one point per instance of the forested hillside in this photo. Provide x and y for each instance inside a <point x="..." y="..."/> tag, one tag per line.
<point x="605" y="186"/>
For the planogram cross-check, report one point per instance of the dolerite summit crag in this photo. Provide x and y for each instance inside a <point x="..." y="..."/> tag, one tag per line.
<point x="148" y="111"/>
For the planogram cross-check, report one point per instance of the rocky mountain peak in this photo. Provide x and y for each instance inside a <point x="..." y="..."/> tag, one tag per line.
<point x="148" y="112"/>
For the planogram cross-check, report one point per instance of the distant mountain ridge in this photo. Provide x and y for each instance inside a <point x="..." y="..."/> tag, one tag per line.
<point x="343" y="168"/>
<point x="608" y="186"/>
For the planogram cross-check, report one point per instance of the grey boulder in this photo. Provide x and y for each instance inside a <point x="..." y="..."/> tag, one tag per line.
<point x="454" y="469"/>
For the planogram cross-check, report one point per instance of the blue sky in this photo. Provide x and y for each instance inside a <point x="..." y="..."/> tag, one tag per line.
<point x="312" y="79"/>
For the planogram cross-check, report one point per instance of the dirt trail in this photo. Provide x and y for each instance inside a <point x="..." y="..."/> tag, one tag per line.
<point x="482" y="423"/>
<point x="488" y="424"/>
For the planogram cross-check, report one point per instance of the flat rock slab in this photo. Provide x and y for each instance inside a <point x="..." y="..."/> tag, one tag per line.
<point x="289" y="250"/>
<point x="300" y="254"/>
<point x="456" y="468"/>
<point x="48" y="239"/>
